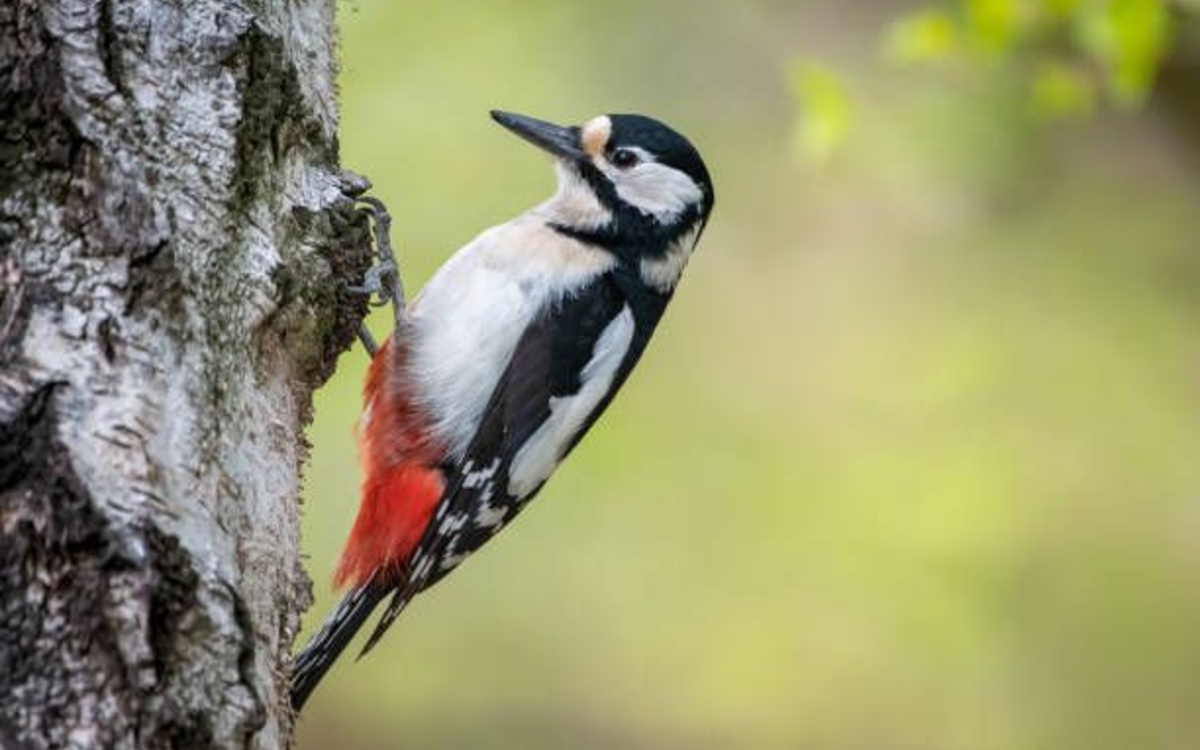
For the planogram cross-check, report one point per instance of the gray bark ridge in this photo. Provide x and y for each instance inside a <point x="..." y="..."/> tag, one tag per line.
<point x="174" y="242"/>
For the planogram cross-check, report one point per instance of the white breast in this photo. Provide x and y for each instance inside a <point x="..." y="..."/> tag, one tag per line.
<point x="470" y="316"/>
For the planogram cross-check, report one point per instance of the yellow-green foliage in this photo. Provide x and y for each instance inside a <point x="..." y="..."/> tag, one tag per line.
<point x="827" y="110"/>
<point x="1113" y="45"/>
<point x="1066" y="55"/>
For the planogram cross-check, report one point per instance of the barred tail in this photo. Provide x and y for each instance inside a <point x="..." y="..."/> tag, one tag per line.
<point x="335" y="634"/>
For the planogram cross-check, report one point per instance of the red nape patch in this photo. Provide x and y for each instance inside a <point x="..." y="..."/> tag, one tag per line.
<point x="396" y="506"/>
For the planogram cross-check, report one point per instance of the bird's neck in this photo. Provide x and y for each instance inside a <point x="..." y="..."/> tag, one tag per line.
<point x="657" y="252"/>
<point x="574" y="204"/>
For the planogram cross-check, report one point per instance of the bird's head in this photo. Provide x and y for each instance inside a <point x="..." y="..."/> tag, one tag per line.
<point x="628" y="182"/>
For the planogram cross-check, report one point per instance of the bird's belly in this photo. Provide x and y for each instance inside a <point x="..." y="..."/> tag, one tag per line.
<point x="461" y="347"/>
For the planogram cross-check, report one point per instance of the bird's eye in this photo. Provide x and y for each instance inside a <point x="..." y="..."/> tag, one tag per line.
<point x="624" y="158"/>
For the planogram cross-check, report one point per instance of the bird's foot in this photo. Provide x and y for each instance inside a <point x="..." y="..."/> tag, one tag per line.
<point x="378" y="283"/>
<point x="382" y="281"/>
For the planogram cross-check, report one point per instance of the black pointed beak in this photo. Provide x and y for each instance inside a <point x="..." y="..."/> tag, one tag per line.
<point x="558" y="140"/>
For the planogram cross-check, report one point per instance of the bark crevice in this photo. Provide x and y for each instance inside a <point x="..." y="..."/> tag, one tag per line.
<point x="175" y="239"/>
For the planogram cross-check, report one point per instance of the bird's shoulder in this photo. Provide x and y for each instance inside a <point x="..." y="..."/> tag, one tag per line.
<point x="528" y="246"/>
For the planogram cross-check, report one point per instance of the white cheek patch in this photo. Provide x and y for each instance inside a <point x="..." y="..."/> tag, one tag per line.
<point x="662" y="273"/>
<point x="537" y="458"/>
<point x="656" y="189"/>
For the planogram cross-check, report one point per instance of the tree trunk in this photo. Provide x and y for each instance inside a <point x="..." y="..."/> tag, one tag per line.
<point x="174" y="243"/>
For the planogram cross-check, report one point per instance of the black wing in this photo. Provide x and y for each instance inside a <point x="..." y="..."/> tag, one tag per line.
<point x="548" y="362"/>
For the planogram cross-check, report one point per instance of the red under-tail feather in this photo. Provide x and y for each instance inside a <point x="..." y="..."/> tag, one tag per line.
<point x="401" y="487"/>
<point x="401" y="481"/>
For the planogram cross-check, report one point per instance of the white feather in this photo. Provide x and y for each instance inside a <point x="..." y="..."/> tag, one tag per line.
<point x="469" y="317"/>
<point x="653" y="188"/>
<point x="574" y="204"/>
<point x="662" y="273"/>
<point x="537" y="458"/>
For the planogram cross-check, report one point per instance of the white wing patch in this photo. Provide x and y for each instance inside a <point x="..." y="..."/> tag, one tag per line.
<point x="537" y="459"/>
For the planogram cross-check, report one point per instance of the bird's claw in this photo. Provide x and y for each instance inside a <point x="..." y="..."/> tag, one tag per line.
<point x="377" y="283"/>
<point x="381" y="283"/>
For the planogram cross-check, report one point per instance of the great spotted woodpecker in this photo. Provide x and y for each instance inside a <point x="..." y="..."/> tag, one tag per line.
<point x="507" y="357"/>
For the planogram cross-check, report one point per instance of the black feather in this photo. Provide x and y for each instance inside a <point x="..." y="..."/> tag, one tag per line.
<point x="547" y="363"/>
<point x="335" y="634"/>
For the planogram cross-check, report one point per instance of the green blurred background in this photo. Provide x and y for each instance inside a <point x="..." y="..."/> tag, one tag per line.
<point x="914" y="459"/>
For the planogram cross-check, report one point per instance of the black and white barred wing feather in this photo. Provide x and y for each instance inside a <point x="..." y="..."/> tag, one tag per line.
<point x="565" y="369"/>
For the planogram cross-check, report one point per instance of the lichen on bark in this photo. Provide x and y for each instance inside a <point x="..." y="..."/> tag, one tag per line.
<point x="175" y="239"/>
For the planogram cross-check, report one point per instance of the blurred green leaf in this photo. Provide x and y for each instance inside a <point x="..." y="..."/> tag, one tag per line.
<point x="1061" y="8"/>
<point x="924" y="36"/>
<point x="826" y="110"/>
<point x="1128" y="38"/>
<point x="1060" y="90"/>
<point x="993" y="24"/>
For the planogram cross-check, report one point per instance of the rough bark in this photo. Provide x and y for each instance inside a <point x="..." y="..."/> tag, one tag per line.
<point x="174" y="241"/>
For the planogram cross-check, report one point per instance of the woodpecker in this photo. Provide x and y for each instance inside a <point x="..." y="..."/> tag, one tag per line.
<point x="506" y="358"/>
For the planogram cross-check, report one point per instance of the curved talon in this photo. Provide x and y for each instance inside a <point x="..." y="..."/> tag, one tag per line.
<point x="376" y="282"/>
<point x="381" y="283"/>
<point x="375" y="206"/>
<point x="384" y="278"/>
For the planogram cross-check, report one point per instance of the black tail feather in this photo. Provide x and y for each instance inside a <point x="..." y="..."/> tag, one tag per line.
<point x="335" y="634"/>
<point x="399" y="601"/>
